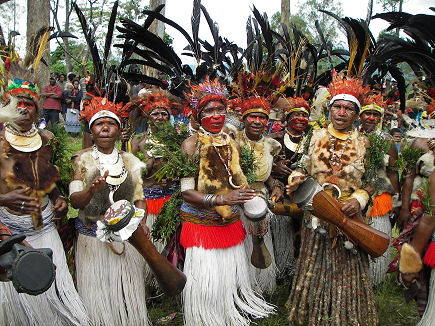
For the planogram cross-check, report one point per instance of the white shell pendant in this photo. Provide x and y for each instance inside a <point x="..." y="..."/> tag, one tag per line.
<point x="230" y="180"/>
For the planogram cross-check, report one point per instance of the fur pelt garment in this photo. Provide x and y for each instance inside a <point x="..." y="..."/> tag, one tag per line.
<point x="213" y="178"/>
<point x="130" y="189"/>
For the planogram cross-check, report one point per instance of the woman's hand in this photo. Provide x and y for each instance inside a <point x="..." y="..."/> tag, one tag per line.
<point x="239" y="196"/>
<point x="16" y="200"/>
<point x="98" y="183"/>
<point x="351" y="207"/>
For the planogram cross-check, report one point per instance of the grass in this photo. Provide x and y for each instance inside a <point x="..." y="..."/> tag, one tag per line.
<point x="391" y="305"/>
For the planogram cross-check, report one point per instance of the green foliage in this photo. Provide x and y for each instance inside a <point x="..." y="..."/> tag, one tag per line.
<point x="248" y="163"/>
<point x="167" y="220"/>
<point x="374" y="161"/>
<point x="166" y="142"/>
<point x="408" y="158"/>
<point x="62" y="157"/>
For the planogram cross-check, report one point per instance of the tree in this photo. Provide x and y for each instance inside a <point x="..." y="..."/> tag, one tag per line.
<point x="54" y="7"/>
<point x="308" y="11"/>
<point x="38" y="16"/>
<point x="285" y="11"/>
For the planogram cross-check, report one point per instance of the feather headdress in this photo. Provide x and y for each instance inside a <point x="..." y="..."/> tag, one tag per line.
<point x="148" y="103"/>
<point x="349" y="89"/>
<point x="374" y="102"/>
<point x="205" y="92"/>
<point x="99" y="107"/>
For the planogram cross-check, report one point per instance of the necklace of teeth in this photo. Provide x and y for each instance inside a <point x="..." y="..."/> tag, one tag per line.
<point x="335" y="158"/>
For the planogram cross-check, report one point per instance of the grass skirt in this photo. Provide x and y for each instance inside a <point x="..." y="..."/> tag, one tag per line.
<point x="218" y="290"/>
<point x="282" y="235"/>
<point x="331" y="286"/>
<point x="264" y="280"/>
<point x="428" y="318"/>
<point x="111" y="285"/>
<point x="59" y="305"/>
<point x="379" y="266"/>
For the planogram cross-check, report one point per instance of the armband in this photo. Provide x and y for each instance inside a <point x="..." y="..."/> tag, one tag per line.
<point x="187" y="184"/>
<point x="76" y="186"/>
<point x="362" y="196"/>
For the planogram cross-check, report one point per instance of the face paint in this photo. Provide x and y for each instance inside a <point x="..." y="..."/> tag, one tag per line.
<point x="371" y="119"/>
<point x="261" y="119"/>
<point x="298" y="124"/>
<point x="213" y="123"/>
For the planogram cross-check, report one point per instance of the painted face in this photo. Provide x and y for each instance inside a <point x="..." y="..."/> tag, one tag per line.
<point x="369" y="119"/>
<point x="343" y="115"/>
<point x="212" y="116"/>
<point x="159" y="115"/>
<point x="254" y="124"/>
<point x="298" y="121"/>
<point x="105" y="131"/>
<point x="28" y="110"/>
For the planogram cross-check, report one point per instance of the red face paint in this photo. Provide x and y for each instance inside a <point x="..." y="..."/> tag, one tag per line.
<point x="261" y="119"/>
<point x="213" y="123"/>
<point x="298" y="124"/>
<point x="371" y="119"/>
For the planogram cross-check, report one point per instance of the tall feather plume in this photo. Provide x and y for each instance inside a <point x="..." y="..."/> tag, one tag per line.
<point x="38" y="42"/>
<point x="351" y="39"/>
<point x="109" y="34"/>
<point x="195" y="20"/>
<point x="93" y="49"/>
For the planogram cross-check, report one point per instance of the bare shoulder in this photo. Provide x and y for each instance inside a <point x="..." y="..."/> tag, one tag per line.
<point x="420" y="143"/>
<point x="76" y="156"/>
<point x="188" y="146"/>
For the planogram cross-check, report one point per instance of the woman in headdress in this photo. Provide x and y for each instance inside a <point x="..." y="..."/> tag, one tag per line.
<point x="218" y="289"/>
<point x="255" y="114"/>
<point x="383" y="176"/>
<point x="109" y="275"/>
<point x="30" y="204"/>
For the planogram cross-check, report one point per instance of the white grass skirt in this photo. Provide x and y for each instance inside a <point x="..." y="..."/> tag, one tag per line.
<point x="218" y="290"/>
<point x="263" y="280"/>
<point x="59" y="305"/>
<point x="111" y="285"/>
<point x="428" y="318"/>
<point x="379" y="266"/>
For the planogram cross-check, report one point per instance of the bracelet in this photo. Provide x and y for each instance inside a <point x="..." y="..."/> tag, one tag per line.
<point x="3" y="227"/>
<point x="210" y="200"/>
<point x="61" y="197"/>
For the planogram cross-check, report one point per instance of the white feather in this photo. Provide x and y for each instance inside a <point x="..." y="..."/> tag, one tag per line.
<point x="9" y="112"/>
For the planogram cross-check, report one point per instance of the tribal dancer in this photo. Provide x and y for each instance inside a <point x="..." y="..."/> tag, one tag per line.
<point x="218" y="289"/>
<point x="292" y="140"/>
<point x="414" y="215"/>
<point x="385" y="178"/>
<point x="109" y="276"/>
<point x="255" y="113"/>
<point x="343" y="294"/>
<point x="156" y="109"/>
<point x="30" y="203"/>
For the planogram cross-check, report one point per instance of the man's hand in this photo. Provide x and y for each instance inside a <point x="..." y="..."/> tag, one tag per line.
<point x="239" y="196"/>
<point x="60" y="208"/>
<point x="125" y="134"/>
<point x="351" y="207"/>
<point x="294" y="182"/>
<point x="404" y="216"/>
<point x="277" y="194"/>
<point x="17" y="201"/>
<point x="281" y="168"/>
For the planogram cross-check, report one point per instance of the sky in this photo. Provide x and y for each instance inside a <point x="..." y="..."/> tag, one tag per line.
<point x="231" y="16"/>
